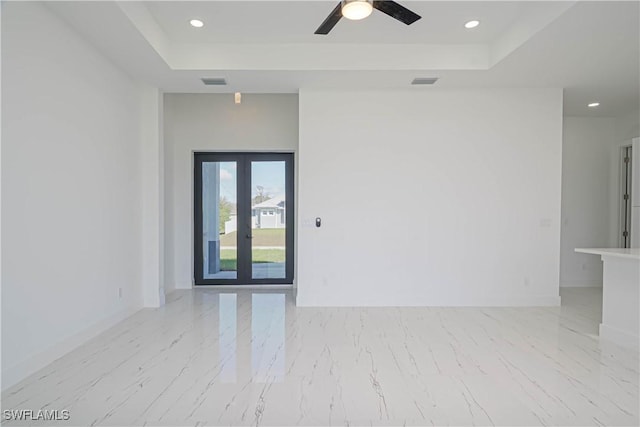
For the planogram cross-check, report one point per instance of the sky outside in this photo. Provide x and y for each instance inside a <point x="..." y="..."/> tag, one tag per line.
<point x="269" y="175"/>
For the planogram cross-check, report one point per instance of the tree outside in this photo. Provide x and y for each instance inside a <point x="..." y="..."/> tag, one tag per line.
<point x="261" y="196"/>
<point x="225" y="208"/>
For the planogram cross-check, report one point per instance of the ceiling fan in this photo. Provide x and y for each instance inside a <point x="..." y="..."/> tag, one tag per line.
<point x="360" y="9"/>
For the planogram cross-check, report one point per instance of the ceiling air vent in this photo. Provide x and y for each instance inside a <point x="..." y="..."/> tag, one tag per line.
<point x="214" y="81"/>
<point x="424" y="80"/>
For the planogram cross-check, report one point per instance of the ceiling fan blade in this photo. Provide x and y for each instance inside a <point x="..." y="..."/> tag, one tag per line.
<point x="397" y="11"/>
<point x="331" y="20"/>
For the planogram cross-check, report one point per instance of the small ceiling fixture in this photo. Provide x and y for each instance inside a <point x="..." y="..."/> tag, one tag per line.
<point x="196" y="23"/>
<point x="472" y="24"/>
<point x="238" y="97"/>
<point x="593" y="104"/>
<point x="214" y="81"/>
<point x="357" y="9"/>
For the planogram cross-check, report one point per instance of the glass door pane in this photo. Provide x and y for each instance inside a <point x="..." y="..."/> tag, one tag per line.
<point x="268" y="220"/>
<point x="243" y="218"/>
<point x="219" y="220"/>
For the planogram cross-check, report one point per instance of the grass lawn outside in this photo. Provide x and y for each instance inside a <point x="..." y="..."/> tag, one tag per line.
<point x="261" y="237"/>
<point x="229" y="262"/>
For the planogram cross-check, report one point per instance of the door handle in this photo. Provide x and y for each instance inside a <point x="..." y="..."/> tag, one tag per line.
<point x="249" y="236"/>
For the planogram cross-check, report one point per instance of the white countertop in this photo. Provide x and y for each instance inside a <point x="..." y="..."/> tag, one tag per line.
<point x="633" y="253"/>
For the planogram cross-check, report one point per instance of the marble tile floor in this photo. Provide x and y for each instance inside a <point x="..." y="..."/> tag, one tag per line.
<point x="246" y="357"/>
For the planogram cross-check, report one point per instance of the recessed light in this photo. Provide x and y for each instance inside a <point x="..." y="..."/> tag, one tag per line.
<point x="196" y="23"/>
<point x="593" y="104"/>
<point x="472" y="24"/>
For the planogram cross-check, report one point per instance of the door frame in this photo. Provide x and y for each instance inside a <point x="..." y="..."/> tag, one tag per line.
<point x="243" y="207"/>
<point x="625" y="187"/>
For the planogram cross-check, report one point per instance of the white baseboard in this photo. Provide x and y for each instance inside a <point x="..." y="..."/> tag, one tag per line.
<point x="619" y="337"/>
<point x="185" y="285"/>
<point x="594" y="283"/>
<point x="30" y="365"/>
<point x="306" y="300"/>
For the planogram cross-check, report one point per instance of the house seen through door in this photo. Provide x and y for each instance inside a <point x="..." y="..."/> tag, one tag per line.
<point x="243" y="205"/>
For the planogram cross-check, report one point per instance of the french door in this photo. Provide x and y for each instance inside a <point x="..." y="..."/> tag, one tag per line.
<point x="243" y="218"/>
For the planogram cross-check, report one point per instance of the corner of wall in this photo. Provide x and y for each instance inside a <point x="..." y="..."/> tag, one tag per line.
<point x="593" y="283"/>
<point x="627" y="126"/>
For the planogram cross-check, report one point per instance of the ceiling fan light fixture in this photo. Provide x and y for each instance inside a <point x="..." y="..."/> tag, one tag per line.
<point x="356" y="9"/>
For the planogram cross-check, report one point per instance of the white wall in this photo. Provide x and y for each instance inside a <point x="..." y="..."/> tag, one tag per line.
<point x="213" y="122"/>
<point x="71" y="187"/>
<point x="152" y="197"/>
<point x="590" y="198"/>
<point x="474" y="175"/>
<point x="627" y="126"/>
<point x="586" y="212"/>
